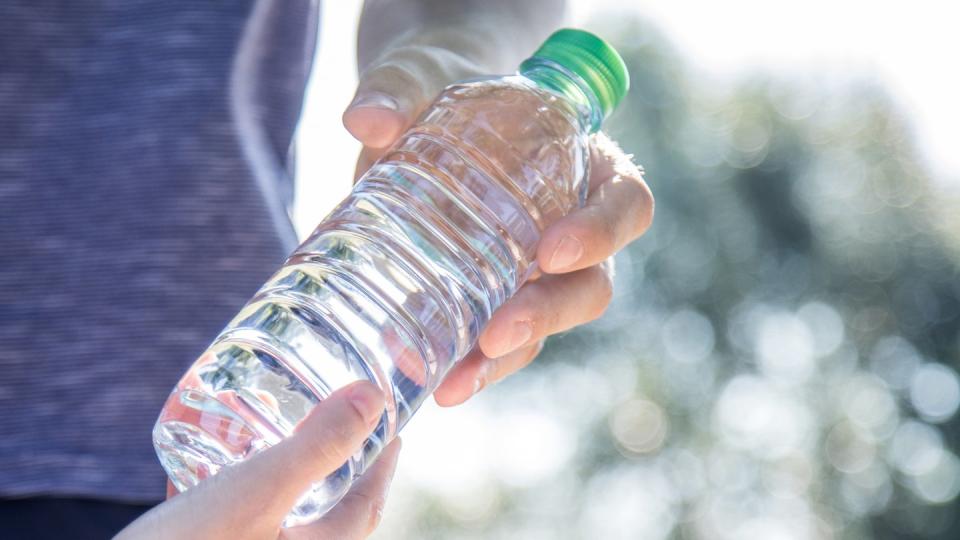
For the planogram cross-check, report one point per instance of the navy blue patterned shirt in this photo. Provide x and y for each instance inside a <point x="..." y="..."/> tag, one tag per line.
<point x="144" y="196"/>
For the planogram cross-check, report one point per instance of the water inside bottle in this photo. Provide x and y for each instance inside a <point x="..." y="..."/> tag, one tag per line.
<point x="393" y="287"/>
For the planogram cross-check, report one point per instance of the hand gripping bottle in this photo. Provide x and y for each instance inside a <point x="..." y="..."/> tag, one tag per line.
<point x="398" y="281"/>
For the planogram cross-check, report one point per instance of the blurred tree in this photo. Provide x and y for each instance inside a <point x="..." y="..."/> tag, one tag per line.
<point x="791" y="321"/>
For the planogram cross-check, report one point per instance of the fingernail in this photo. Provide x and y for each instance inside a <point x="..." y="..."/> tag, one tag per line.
<point x="367" y="400"/>
<point x="374" y="100"/>
<point x="478" y="384"/>
<point x="567" y="253"/>
<point x="520" y="334"/>
<point x="483" y="376"/>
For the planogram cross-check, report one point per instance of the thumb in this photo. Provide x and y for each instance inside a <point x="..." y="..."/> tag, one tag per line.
<point x="397" y="87"/>
<point x="250" y="499"/>
<point x="321" y="443"/>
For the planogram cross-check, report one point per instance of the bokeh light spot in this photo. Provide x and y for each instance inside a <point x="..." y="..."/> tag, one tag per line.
<point x="688" y="336"/>
<point x="752" y="414"/>
<point x="915" y="448"/>
<point x="849" y="449"/>
<point x="935" y="392"/>
<point x="825" y="324"/>
<point x="894" y="359"/>
<point x="784" y="348"/>
<point x="639" y="426"/>
<point x="941" y="484"/>
<point x="869" y="404"/>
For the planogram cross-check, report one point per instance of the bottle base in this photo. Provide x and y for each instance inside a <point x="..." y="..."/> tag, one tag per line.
<point x="190" y="453"/>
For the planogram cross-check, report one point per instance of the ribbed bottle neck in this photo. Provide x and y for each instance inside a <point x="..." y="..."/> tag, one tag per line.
<point x="557" y="79"/>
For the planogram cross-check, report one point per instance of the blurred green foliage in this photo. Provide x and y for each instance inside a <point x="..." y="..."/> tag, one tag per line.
<point x="779" y="360"/>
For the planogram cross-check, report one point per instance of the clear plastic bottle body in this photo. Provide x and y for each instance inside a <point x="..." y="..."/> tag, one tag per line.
<point x="394" y="286"/>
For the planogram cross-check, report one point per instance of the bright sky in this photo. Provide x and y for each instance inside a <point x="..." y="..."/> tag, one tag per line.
<point x="912" y="46"/>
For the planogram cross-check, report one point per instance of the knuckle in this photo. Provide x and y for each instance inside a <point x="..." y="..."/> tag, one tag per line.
<point x="531" y="303"/>
<point x="603" y="225"/>
<point x="390" y="69"/>
<point x="544" y="313"/>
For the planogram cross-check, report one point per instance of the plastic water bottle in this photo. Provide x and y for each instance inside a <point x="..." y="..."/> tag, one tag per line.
<point x="399" y="280"/>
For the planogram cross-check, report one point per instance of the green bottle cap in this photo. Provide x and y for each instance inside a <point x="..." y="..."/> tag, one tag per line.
<point x="593" y="60"/>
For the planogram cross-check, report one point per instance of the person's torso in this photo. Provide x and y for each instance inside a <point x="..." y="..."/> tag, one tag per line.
<point x="143" y="198"/>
